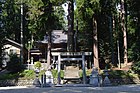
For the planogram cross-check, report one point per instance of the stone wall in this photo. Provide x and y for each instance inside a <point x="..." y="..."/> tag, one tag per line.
<point x="15" y="82"/>
<point x="21" y="82"/>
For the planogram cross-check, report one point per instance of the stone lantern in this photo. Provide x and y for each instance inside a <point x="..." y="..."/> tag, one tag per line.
<point x="106" y="81"/>
<point x="94" y="77"/>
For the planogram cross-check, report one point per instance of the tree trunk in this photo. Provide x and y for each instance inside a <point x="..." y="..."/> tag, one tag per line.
<point x="70" y="43"/>
<point x="123" y="26"/>
<point x="49" y="50"/>
<point x="75" y="36"/>
<point x="95" y="44"/>
<point x="111" y="39"/>
<point x="21" y="34"/>
<point x="51" y="21"/>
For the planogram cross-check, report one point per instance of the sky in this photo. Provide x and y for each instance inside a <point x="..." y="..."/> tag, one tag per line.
<point x="65" y="6"/>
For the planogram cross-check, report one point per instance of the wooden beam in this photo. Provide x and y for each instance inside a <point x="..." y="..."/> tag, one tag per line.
<point x="71" y="59"/>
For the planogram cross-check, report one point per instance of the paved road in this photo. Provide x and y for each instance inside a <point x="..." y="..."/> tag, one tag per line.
<point x="72" y="89"/>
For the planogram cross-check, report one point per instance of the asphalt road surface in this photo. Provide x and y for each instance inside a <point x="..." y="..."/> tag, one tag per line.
<point x="72" y="89"/>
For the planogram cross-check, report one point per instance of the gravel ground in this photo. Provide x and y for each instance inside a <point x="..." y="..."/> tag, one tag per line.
<point x="72" y="89"/>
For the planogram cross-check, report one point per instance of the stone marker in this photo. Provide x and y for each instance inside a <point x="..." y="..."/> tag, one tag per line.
<point x="106" y="81"/>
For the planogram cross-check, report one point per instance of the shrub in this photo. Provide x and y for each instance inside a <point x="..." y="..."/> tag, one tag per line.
<point x="27" y="74"/>
<point x="55" y="73"/>
<point x="14" y="65"/>
<point x="121" y="74"/>
<point x="118" y="74"/>
<point x="37" y="65"/>
<point x="8" y="76"/>
<point x="136" y="67"/>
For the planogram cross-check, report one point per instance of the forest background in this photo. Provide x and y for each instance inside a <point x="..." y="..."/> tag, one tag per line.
<point x="111" y="27"/>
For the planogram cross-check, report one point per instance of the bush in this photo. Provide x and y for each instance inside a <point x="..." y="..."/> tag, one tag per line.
<point x="27" y="74"/>
<point x="118" y="74"/>
<point x="136" y="67"/>
<point x="14" y="65"/>
<point x="37" y="65"/>
<point x="8" y="76"/>
<point x="121" y="74"/>
<point x="55" y="73"/>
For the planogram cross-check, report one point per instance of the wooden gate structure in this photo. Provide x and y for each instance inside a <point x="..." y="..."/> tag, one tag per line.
<point x="72" y="56"/>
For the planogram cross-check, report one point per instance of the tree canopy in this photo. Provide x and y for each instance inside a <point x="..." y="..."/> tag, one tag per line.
<point x="118" y="24"/>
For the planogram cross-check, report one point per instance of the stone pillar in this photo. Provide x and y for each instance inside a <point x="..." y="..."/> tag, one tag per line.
<point x="83" y="68"/>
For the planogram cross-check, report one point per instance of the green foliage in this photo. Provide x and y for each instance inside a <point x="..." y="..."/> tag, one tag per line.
<point x="2" y="33"/>
<point x="57" y="2"/>
<point x="88" y="73"/>
<point x="36" y="18"/>
<point x="121" y="74"/>
<point x="27" y="74"/>
<point x="55" y="74"/>
<point x="133" y="33"/>
<point x="11" y="14"/>
<point x="14" y="65"/>
<point x="37" y="65"/>
<point x="8" y="76"/>
<point x="42" y="15"/>
<point x="84" y="14"/>
<point x="136" y="67"/>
